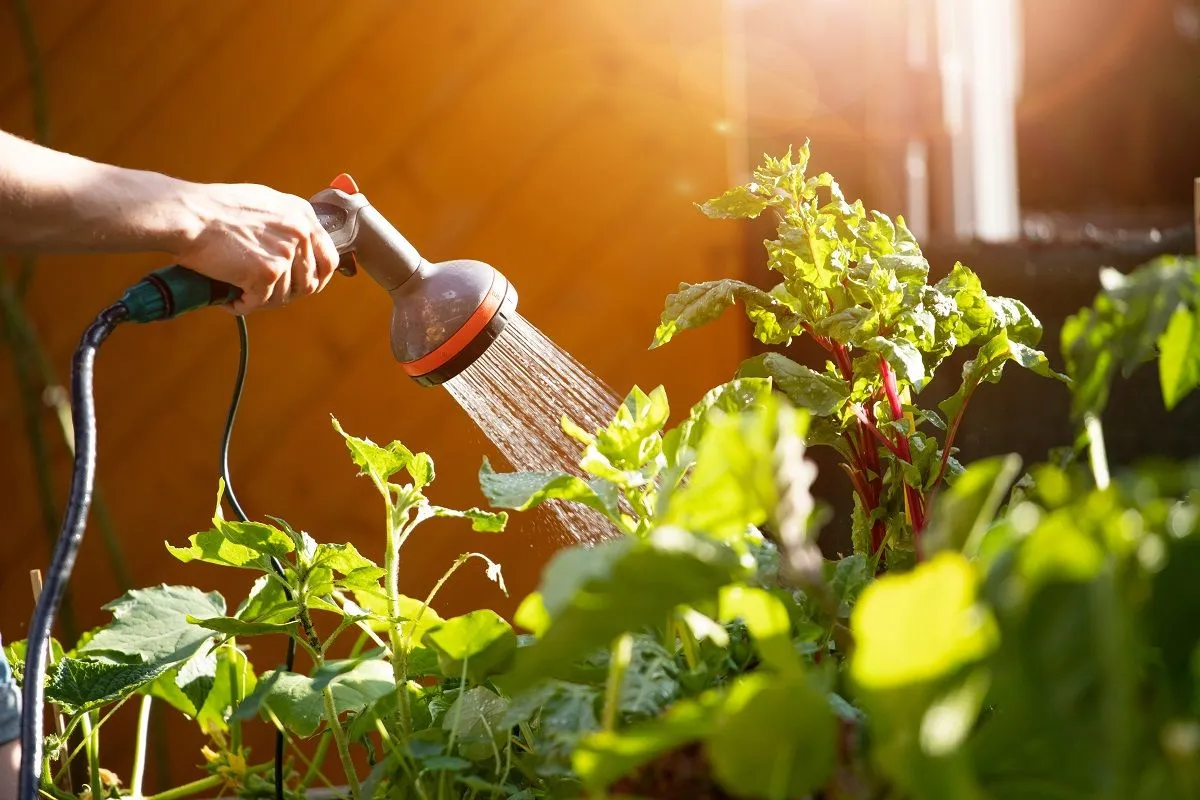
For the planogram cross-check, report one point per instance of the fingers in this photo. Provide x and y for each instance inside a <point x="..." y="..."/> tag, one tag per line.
<point x="253" y="296"/>
<point x="324" y="251"/>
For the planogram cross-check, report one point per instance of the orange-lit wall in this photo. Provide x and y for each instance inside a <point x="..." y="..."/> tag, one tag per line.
<point x="563" y="142"/>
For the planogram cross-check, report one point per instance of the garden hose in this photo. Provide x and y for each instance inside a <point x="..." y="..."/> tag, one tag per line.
<point x="231" y="497"/>
<point x="83" y="411"/>
<point x="164" y="294"/>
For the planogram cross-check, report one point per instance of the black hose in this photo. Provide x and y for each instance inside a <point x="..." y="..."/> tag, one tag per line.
<point x="231" y="496"/>
<point x="83" y="412"/>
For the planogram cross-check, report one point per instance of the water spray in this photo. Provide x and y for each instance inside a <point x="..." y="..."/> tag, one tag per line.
<point x="444" y="317"/>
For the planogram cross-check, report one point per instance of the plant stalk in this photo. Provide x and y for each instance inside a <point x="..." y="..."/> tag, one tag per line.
<point x="622" y="654"/>
<point x="1097" y="453"/>
<point x="91" y="739"/>
<point x="139" y="747"/>
<point x="343" y="746"/>
<point x="335" y="725"/>
<point x="395" y="538"/>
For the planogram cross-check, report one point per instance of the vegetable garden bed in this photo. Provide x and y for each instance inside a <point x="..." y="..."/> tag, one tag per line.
<point x="999" y="629"/>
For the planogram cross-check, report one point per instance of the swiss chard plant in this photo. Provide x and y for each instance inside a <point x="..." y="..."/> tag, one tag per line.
<point x="855" y="281"/>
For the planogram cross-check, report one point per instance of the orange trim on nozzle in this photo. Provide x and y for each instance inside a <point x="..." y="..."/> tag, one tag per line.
<point x="345" y="184"/>
<point x="479" y="319"/>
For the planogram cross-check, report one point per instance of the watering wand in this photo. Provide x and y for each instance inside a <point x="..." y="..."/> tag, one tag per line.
<point x="444" y="316"/>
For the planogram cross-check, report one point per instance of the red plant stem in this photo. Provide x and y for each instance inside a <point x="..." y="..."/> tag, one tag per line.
<point x="950" y="436"/>
<point x="916" y="503"/>
<point x="867" y="425"/>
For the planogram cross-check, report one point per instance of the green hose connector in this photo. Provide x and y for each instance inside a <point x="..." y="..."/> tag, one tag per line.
<point x="168" y="292"/>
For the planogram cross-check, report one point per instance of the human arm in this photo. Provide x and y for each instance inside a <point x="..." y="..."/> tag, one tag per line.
<point x="267" y="243"/>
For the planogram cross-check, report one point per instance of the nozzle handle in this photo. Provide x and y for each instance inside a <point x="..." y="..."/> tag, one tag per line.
<point x="171" y="291"/>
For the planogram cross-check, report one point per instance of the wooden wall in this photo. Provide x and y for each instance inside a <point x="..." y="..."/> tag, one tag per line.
<point x="564" y="142"/>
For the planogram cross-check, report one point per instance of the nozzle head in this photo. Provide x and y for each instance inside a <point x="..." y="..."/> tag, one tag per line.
<point x="446" y="316"/>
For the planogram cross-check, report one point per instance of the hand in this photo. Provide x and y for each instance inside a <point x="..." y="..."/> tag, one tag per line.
<point x="266" y="243"/>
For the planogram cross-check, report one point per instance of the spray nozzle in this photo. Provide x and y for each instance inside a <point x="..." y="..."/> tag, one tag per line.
<point x="445" y="315"/>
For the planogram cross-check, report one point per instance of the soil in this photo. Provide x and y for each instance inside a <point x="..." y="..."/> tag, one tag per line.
<point x="682" y="774"/>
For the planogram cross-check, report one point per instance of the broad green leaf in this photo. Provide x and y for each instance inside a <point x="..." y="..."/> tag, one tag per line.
<point x="1125" y="326"/>
<point x="987" y="366"/>
<point x="1016" y="319"/>
<point x="637" y="583"/>
<point x="345" y="560"/>
<point x="821" y="395"/>
<point x="480" y="639"/>
<point x="919" y="626"/>
<point x="212" y="547"/>
<point x="975" y="318"/>
<point x="965" y="509"/>
<point x="380" y="463"/>
<point x="850" y="326"/>
<point x="733" y="397"/>
<point x="88" y="683"/>
<point x="604" y="756"/>
<point x="776" y="738"/>
<point x="522" y="491"/>
<point x="850" y="576"/>
<point x="151" y="625"/>
<point x="230" y="680"/>
<point x="740" y="202"/>
<point x="298" y="703"/>
<point x="694" y="305"/>
<point x="626" y="441"/>
<point x="1179" y="362"/>
<point x="733" y="484"/>
<point x="903" y="357"/>
<point x="767" y="620"/>
<point x="476" y="721"/>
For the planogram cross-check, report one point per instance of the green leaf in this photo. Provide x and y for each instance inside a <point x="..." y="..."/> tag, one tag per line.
<point x="87" y="683"/>
<point x="1016" y="319"/>
<point x="989" y="363"/>
<point x="850" y="576"/>
<point x="151" y="625"/>
<point x="965" y="510"/>
<point x="740" y="202"/>
<point x="218" y="683"/>
<point x="776" y="738"/>
<point x="625" y="441"/>
<point x="522" y="491"/>
<point x="1179" y="363"/>
<point x="232" y="626"/>
<point x="821" y="395"/>
<point x="767" y="620"/>
<point x="698" y="304"/>
<point x="481" y="521"/>
<point x="733" y="484"/>
<point x="604" y="756"/>
<point x="892" y="651"/>
<point x="850" y="326"/>
<point x="380" y="463"/>
<point x="480" y="639"/>
<point x="1125" y="326"/>
<point x="476" y="721"/>
<point x="298" y="702"/>
<point x="905" y="359"/>
<point x="345" y="560"/>
<point x="615" y="587"/>
<point x="733" y="397"/>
